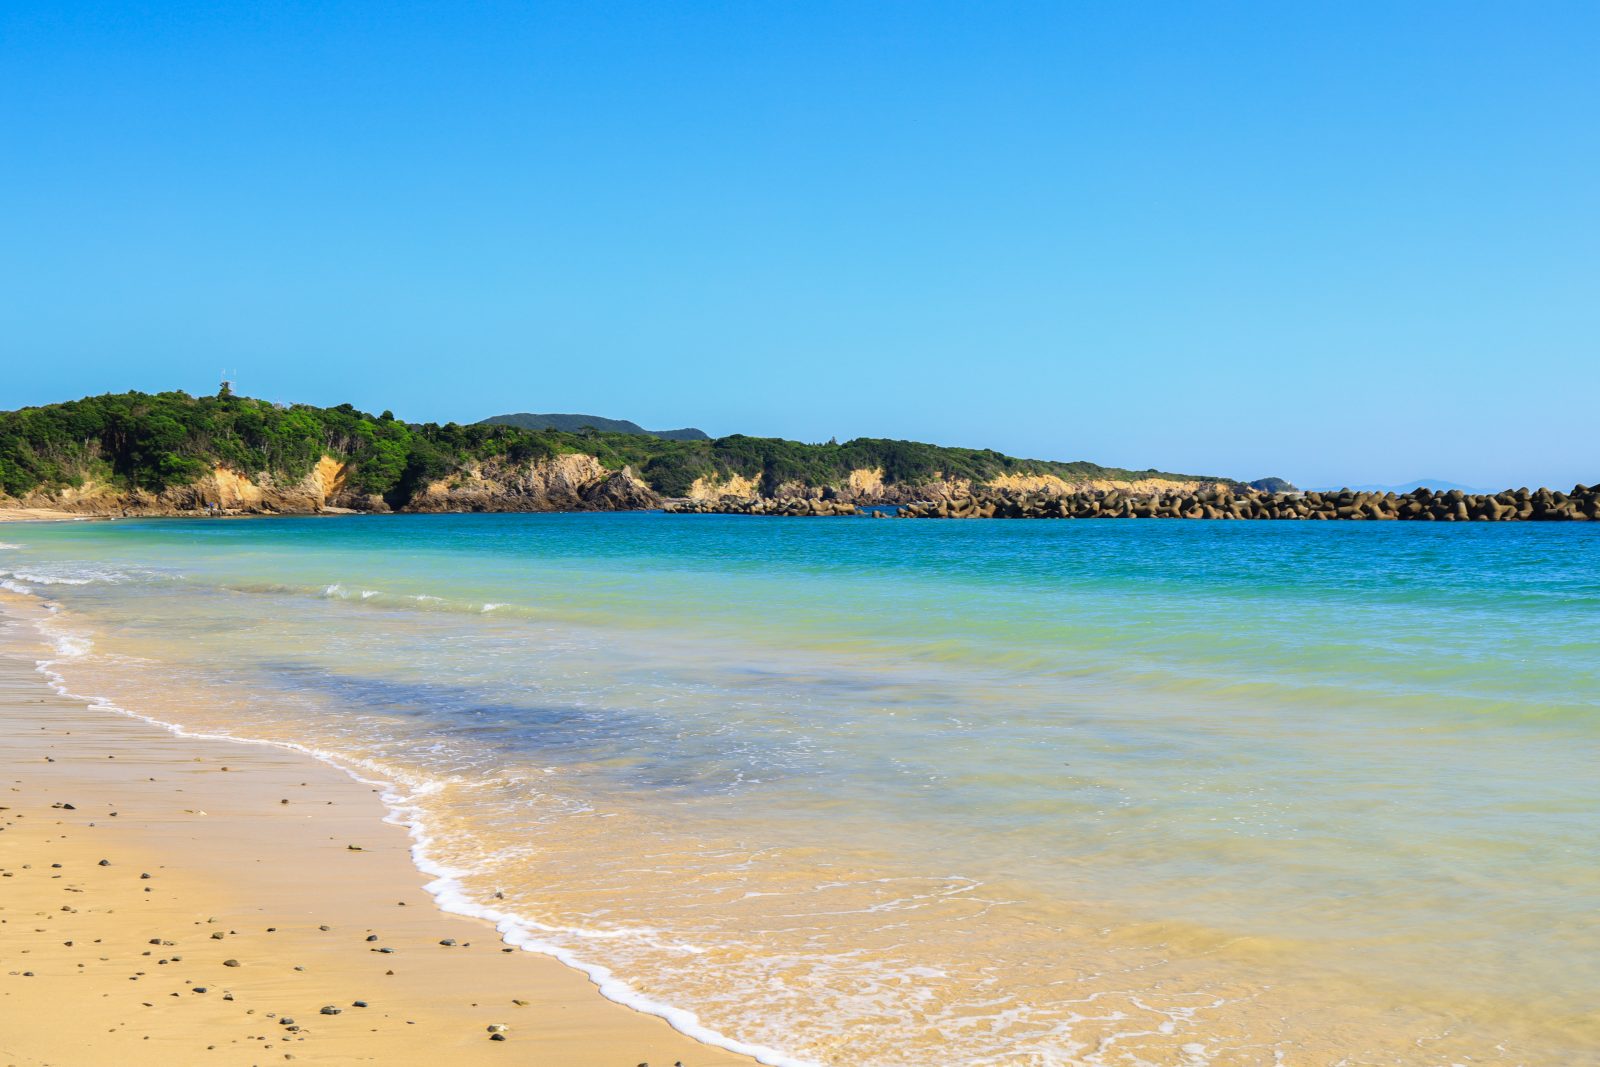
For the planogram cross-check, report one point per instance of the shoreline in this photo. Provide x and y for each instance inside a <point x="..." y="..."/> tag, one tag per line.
<point x="279" y="886"/>
<point x="10" y="514"/>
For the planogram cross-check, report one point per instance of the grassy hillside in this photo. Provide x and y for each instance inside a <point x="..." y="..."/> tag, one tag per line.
<point x="526" y="420"/>
<point x="156" y="441"/>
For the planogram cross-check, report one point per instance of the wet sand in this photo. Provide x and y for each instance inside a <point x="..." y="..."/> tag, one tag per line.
<point x="167" y="900"/>
<point x="18" y="514"/>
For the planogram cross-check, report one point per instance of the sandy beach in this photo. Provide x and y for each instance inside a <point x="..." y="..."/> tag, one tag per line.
<point x="19" y="514"/>
<point x="166" y="900"/>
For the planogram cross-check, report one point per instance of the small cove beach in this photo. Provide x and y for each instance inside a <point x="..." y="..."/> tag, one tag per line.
<point x="855" y="793"/>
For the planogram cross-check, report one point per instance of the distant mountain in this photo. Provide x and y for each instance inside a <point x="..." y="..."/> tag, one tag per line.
<point x="1438" y="485"/>
<point x="526" y="420"/>
<point x="1273" y="485"/>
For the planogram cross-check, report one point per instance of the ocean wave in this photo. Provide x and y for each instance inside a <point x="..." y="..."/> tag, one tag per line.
<point x="45" y="579"/>
<point x="72" y="645"/>
<point x="446" y="887"/>
<point x="76" y="577"/>
<point x="450" y="894"/>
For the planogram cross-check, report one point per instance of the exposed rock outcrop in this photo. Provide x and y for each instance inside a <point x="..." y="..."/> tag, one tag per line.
<point x="220" y="491"/>
<point x="563" y="483"/>
<point x="870" y="487"/>
<point x="713" y="489"/>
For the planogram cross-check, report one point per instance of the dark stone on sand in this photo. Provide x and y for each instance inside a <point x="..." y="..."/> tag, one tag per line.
<point x="105" y="863"/>
<point x="230" y="963"/>
<point x="358" y="1003"/>
<point x="372" y="937"/>
<point x="497" y="1037"/>
<point x="329" y="1009"/>
<point x="448" y="942"/>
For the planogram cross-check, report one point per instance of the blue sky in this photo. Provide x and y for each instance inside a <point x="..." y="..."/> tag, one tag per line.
<point x="1338" y="242"/>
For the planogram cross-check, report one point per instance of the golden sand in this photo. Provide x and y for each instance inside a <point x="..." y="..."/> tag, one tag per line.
<point x="21" y="514"/>
<point x="166" y="901"/>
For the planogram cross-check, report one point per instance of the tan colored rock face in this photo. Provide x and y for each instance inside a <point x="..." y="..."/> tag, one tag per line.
<point x="232" y="489"/>
<point x="1055" y="485"/>
<point x="576" y="482"/>
<point x="712" y="489"/>
<point x="221" y="488"/>
<point x="327" y="478"/>
<point x="864" y="482"/>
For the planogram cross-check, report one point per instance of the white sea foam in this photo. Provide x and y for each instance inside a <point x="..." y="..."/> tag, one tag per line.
<point x="72" y="646"/>
<point x="7" y="546"/>
<point x="491" y="607"/>
<point x="48" y="575"/>
<point x="447" y="888"/>
<point x="46" y="579"/>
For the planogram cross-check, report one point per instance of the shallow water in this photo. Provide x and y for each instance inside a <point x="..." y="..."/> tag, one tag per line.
<point x="1018" y="793"/>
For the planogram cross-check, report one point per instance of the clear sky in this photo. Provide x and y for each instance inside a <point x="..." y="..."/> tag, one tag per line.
<point x="1337" y="242"/>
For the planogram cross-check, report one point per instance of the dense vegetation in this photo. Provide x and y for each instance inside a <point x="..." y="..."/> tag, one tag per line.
<point x="152" y="442"/>
<point x="774" y="461"/>
<point x="527" y="420"/>
<point x="1273" y="485"/>
<point x="143" y="441"/>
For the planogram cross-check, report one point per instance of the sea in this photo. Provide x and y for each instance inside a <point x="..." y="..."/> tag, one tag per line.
<point x="841" y="791"/>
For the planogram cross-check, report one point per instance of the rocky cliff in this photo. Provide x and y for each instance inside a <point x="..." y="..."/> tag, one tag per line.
<point x="869" y="486"/>
<point x="219" y="490"/>
<point x="563" y="483"/>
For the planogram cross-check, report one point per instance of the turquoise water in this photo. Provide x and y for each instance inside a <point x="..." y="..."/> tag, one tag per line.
<point x="1011" y="792"/>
